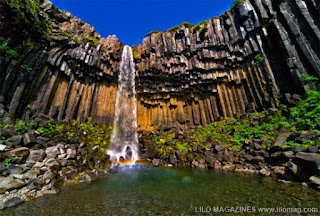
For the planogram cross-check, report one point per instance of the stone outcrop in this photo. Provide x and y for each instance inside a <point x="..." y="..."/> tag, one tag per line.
<point x="241" y="61"/>
<point x="193" y="77"/>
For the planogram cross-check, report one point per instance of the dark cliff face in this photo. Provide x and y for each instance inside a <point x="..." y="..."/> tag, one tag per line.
<point x="69" y="73"/>
<point x="243" y="60"/>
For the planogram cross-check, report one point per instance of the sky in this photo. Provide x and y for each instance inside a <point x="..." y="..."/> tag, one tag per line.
<point x="131" y="20"/>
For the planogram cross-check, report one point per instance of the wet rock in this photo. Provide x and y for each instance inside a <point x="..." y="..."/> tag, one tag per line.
<point x="156" y="162"/>
<point x="309" y="164"/>
<point x="29" y="138"/>
<point x="11" y="202"/>
<point x="52" y="152"/>
<point x="265" y="172"/>
<point x="279" y="171"/>
<point x="8" y="184"/>
<point x="20" y="152"/>
<point x="201" y="166"/>
<point x="87" y="178"/>
<point x="16" y="140"/>
<point x="315" y="180"/>
<point x="228" y="167"/>
<point x="279" y="158"/>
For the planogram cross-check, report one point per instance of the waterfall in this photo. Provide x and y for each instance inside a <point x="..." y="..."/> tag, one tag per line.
<point x="124" y="138"/>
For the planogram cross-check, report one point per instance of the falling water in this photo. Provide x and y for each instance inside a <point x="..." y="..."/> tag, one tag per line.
<point x="124" y="138"/>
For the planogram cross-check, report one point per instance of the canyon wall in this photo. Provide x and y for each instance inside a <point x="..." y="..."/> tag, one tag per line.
<point x="245" y="60"/>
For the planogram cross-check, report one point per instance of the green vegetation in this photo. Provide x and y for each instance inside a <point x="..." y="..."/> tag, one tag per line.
<point x="233" y="132"/>
<point x="306" y="79"/>
<point x="152" y="32"/>
<point x="83" y="39"/>
<point x="7" y="50"/>
<point x="235" y="3"/>
<point x="27" y="68"/>
<point x="201" y="27"/>
<point x="93" y="40"/>
<point x="6" y="162"/>
<point x="28" y="12"/>
<point x="258" y="59"/>
<point x="31" y="44"/>
<point x="186" y="24"/>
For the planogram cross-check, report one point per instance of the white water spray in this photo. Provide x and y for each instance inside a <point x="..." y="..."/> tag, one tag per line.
<point x="124" y="138"/>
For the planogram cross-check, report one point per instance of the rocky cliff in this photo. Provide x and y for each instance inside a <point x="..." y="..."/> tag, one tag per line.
<point x="246" y="59"/>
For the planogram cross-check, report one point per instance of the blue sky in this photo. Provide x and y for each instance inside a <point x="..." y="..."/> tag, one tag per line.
<point x="131" y="20"/>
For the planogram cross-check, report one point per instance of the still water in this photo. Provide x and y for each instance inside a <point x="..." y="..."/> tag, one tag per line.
<point x="155" y="191"/>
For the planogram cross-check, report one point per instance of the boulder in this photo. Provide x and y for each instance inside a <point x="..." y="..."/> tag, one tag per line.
<point x="315" y="180"/>
<point x="16" y="140"/>
<point x="265" y="172"/>
<point x="36" y="155"/>
<point x="156" y="162"/>
<point x="49" y="175"/>
<point x="13" y="169"/>
<point x="71" y="153"/>
<point x="29" y="138"/>
<point x="8" y="184"/>
<point x="20" y="152"/>
<point x="308" y="162"/>
<point x="257" y="159"/>
<point x="218" y="148"/>
<point x="308" y="136"/>
<point x="11" y="202"/>
<point x="281" y="139"/>
<point x="2" y="147"/>
<point x="312" y="149"/>
<point x="52" y="164"/>
<point x="42" y="140"/>
<point x="52" y="152"/>
<point x="172" y="159"/>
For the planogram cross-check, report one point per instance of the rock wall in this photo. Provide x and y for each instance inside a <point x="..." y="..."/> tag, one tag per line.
<point x="243" y="60"/>
<point x="72" y="74"/>
<point x="196" y="75"/>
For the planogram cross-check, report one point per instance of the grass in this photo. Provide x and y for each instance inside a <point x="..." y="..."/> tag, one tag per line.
<point x="28" y="12"/>
<point x="233" y="133"/>
<point x="8" y="51"/>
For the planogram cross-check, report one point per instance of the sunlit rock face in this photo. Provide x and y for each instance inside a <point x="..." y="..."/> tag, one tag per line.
<point x="241" y="61"/>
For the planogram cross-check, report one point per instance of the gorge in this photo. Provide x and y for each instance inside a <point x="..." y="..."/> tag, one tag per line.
<point x="225" y="94"/>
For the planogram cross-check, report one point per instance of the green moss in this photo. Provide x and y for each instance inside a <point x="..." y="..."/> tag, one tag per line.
<point x="258" y="59"/>
<point x="7" y="50"/>
<point x="186" y="24"/>
<point x="201" y="27"/>
<point x="28" y="12"/>
<point x="26" y="68"/>
<point x="93" y="40"/>
<point x="152" y="32"/>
